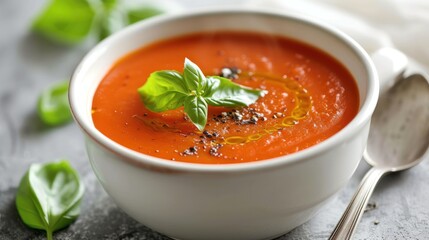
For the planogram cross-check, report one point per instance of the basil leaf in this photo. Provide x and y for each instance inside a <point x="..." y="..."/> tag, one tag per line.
<point x="53" y="106"/>
<point x="194" y="77"/>
<point x="71" y="21"/>
<point x="196" y="108"/>
<point x="223" y="92"/>
<point x="135" y="15"/>
<point x="164" y="90"/>
<point x="49" y="196"/>
<point x="65" y="21"/>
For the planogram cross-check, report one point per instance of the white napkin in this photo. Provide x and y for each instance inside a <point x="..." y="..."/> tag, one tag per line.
<point x="403" y="24"/>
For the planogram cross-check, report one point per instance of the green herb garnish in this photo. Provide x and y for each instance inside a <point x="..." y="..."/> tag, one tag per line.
<point x="53" y="105"/>
<point x="71" y="21"/>
<point x="167" y="90"/>
<point x="49" y="196"/>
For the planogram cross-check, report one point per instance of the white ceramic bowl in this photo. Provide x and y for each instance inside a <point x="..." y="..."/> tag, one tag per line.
<point x="256" y="200"/>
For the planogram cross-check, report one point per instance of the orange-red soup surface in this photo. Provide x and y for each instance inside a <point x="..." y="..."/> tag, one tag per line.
<point x="310" y="97"/>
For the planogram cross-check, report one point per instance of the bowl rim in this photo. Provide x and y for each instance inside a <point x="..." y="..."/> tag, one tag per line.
<point x="150" y="162"/>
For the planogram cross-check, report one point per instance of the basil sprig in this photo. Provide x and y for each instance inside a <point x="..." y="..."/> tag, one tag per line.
<point x="49" y="196"/>
<point x="169" y="89"/>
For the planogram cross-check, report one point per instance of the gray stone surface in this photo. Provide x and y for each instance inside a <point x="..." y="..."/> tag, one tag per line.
<point x="29" y="64"/>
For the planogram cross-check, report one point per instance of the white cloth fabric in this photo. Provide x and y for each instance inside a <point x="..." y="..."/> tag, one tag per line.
<point x="403" y="24"/>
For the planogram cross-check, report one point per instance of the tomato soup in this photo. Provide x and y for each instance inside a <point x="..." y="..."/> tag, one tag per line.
<point x="310" y="97"/>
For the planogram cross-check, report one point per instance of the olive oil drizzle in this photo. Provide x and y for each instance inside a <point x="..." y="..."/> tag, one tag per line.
<point x="303" y="104"/>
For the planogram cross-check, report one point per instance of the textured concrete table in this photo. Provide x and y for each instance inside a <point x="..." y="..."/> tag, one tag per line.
<point x="29" y="64"/>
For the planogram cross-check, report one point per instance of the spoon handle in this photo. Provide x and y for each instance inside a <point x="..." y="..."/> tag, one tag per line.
<point x="348" y="222"/>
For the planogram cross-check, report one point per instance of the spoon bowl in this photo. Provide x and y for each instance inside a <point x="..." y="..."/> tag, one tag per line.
<point x="398" y="138"/>
<point x="399" y="135"/>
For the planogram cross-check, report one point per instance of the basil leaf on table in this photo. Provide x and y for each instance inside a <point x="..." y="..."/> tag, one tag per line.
<point x="66" y="21"/>
<point x="71" y="21"/>
<point x="167" y="90"/>
<point x="53" y="105"/>
<point x="49" y="196"/>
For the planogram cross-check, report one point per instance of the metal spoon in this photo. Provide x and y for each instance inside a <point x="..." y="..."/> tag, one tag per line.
<point x="398" y="140"/>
